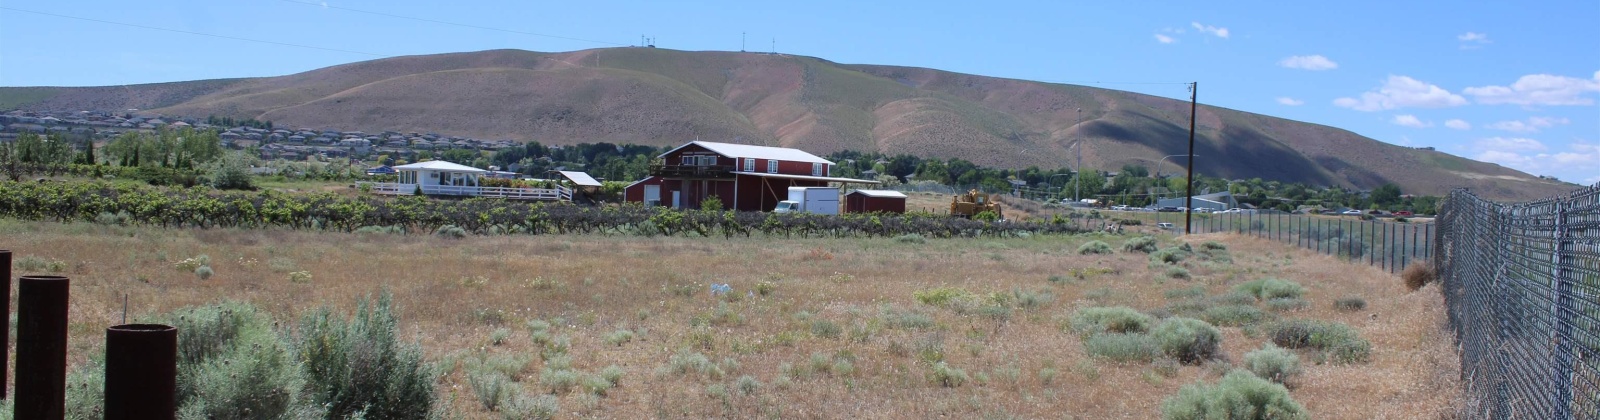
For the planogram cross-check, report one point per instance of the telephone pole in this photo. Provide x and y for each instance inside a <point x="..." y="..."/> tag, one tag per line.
<point x="1076" y="183"/>
<point x="1188" y="200"/>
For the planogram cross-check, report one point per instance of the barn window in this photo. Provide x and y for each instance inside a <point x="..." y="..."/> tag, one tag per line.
<point x="772" y="166"/>
<point x="688" y="160"/>
<point x="708" y="161"/>
<point x="816" y="169"/>
<point x="749" y="165"/>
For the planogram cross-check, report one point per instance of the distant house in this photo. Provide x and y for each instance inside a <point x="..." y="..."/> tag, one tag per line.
<point x="743" y="177"/>
<point x="1215" y="201"/>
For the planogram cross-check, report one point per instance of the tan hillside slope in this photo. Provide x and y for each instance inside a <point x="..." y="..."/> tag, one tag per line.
<point x="664" y="97"/>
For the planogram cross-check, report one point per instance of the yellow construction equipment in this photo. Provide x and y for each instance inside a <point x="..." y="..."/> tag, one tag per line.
<point x="974" y="202"/>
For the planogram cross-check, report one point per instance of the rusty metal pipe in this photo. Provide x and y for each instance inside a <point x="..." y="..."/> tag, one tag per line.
<point x="41" y="347"/>
<point x="141" y="372"/>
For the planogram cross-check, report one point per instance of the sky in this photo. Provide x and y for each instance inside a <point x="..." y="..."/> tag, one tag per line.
<point x="1513" y="83"/>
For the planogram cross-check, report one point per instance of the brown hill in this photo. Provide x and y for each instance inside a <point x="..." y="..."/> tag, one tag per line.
<point x="664" y="97"/>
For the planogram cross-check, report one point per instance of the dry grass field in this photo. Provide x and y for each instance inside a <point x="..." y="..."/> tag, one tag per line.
<point x="813" y="328"/>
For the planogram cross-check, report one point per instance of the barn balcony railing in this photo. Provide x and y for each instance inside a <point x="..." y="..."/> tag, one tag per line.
<point x="692" y="171"/>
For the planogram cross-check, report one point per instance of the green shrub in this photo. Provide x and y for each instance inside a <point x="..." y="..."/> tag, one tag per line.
<point x="825" y="328"/>
<point x="1186" y="292"/>
<point x="499" y="336"/>
<point x="300" y="277"/>
<point x="490" y="387"/>
<point x="1273" y="363"/>
<point x="1269" y="288"/>
<point x="1189" y="340"/>
<point x="1338" y="340"/>
<point x="1122" y="347"/>
<point x="1287" y="304"/>
<point x="909" y="320"/>
<point x="1032" y="300"/>
<point x="1233" y="298"/>
<point x="1145" y="244"/>
<point x="941" y="296"/>
<point x="1213" y="246"/>
<point x="911" y="238"/>
<point x="1116" y="319"/>
<point x="686" y="362"/>
<point x="558" y="381"/>
<point x="1177" y="272"/>
<point x="1232" y="315"/>
<point x="86" y="385"/>
<point x="522" y="407"/>
<point x="1094" y="247"/>
<point x="1239" y="395"/>
<point x="233" y="364"/>
<point x="619" y="337"/>
<point x="747" y="385"/>
<point x="943" y="375"/>
<point x="232" y="171"/>
<point x="450" y="232"/>
<point x="361" y="366"/>
<point x="1350" y="304"/>
<point x="612" y="374"/>
<point x="1169" y="255"/>
<point x="204" y="272"/>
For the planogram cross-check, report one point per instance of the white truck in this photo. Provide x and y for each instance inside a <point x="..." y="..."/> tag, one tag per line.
<point x="819" y="200"/>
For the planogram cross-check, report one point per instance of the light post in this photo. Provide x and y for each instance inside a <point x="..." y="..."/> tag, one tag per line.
<point x="1056" y="175"/>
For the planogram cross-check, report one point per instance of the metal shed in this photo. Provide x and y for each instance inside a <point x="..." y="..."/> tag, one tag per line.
<point x="867" y="201"/>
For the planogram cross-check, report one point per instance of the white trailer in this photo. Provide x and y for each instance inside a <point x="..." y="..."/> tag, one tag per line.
<point x="819" y="200"/>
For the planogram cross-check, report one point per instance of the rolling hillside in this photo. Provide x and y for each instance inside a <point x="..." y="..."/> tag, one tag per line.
<point x="665" y="97"/>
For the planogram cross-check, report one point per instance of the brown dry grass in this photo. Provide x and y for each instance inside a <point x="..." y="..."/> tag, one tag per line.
<point x="594" y="285"/>
<point x="1417" y="274"/>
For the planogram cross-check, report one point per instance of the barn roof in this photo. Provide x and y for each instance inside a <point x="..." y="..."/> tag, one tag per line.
<point x="880" y="193"/>
<point x="807" y="177"/>
<point x="439" y="165"/>
<point x="753" y="151"/>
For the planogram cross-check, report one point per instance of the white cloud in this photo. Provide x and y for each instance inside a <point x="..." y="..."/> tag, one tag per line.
<point x="1528" y="155"/>
<point x="1533" y="125"/>
<point x="1473" y="37"/>
<point x="1165" y="39"/>
<point x="1509" y="144"/>
<point x="1408" y="120"/>
<point x="1219" y="32"/>
<point x="1402" y="92"/>
<point x="1458" y="124"/>
<point x="1539" y="89"/>
<point x="1285" y="100"/>
<point x="1308" y="62"/>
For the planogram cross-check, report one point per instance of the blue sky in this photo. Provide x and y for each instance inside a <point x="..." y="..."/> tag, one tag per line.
<point x="1496" y="81"/>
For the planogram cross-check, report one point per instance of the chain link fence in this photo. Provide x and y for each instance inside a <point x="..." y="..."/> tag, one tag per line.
<point x="1521" y="282"/>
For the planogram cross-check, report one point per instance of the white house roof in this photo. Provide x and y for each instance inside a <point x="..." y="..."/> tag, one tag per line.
<point x="751" y="151"/>
<point x="879" y="193"/>
<point x="581" y="178"/>
<point x="438" y="165"/>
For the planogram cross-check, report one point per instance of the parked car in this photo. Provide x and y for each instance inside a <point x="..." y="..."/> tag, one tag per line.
<point x="1351" y="212"/>
<point x="1166" y="226"/>
<point x="1403" y="213"/>
<point x="1168" y="209"/>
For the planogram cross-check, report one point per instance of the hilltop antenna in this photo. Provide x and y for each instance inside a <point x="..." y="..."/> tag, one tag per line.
<point x="774" y="45"/>
<point x="741" y="41"/>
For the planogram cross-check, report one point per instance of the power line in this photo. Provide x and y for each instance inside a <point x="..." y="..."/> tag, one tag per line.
<point x="464" y="25"/>
<point x="191" y="32"/>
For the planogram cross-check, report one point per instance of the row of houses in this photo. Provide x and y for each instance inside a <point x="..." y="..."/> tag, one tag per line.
<point x="743" y="177"/>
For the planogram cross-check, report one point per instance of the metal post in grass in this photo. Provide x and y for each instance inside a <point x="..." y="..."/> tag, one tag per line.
<point x="41" y="347"/>
<point x="5" y="311"/>
<point x="141" y="372"/>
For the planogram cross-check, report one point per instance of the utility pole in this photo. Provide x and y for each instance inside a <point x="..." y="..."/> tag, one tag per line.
<point x="1076" y="182"/>
<point x="741" y="41"/>
<point x="1188" y="200"/>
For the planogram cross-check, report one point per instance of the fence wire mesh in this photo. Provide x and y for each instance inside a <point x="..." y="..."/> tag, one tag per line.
<point x="1521" y="283"/>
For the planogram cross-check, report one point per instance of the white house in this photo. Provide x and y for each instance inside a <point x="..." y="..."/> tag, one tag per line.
<point x="437" y="177"/>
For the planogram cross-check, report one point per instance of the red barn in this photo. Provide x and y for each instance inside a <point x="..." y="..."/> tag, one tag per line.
<point x="868" y="201"/>
<point x="744" y="177"/>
